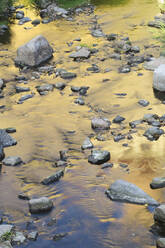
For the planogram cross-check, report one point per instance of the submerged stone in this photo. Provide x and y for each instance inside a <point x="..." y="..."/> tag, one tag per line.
<point x="127" y="192"/>
<point x="39" y="205"/>
<point x="98" y="157"/>
<point x="53" y="178"/>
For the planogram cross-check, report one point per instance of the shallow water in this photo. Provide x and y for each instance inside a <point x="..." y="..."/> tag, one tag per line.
<point x="47" y="124"/>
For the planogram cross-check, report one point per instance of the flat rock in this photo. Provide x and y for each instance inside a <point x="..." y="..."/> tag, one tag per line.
<point x="99" y="157"/>
<point x="43" y="204"/>
<point x="118" y="119"/>
<point x="34" y="52"/>
<point x="100" y="123"/>
<point x="22" y="89"/>
<point x="154" y="63"/>
<point x="157" y="183"/>
<point x="53" y="178"/>
<point x="45" y="87"/>
<point x="87" y="144"/>
<point x="82" y="53"/>
<point x="25" y="97"/>
<point x="159" y="78"/>
<point x="127" y="192"/>
<point x="12" y="161"/>
<point x="5" y="228"/>
<point x="68" y="75"/>
<point x="6" y="140"/>
<point x="153" y="133"/>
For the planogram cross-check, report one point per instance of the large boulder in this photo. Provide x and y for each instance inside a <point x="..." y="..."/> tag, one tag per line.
<point x="159" y="78"/>
<point x="34" y="52"/>
<point x="124" y="191"/>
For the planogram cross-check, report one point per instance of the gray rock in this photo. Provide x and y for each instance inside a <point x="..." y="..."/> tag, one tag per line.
<point x="115" y="56"/>
<point x="54" y="11"/>
<point x="118" y="137"/>
<point x="24" y="20"/>
<point x="4" y="229"/>
<point x="82" y="53"/>
<point x="6" y="140"/>
<point x="118" y="119"/>
<point x="135" y="49"/>
<point x="154" y="63"/>
<point x="68" y="75"/>
<point x="154" y="24"/>
<point x="150" y="117"/>
<point x="39" y="205"/>
<point x="160" y="243"/>
<point x="159" y="78"/>
<point x="36" y="22"/>
<point x="32" y="235"/>
<point x="143" y="102"/>
<point x="5" y="244"/>
<point x="22" y="89"/>
<point x="2" y="154"/>
<point x="79" y="101"/>
<point x="87" y="144"/>
<point x="127" y="192"/>
<point x="60" y="86"/>
<point x="44" y="87"/>
<point x="100" y="123"/>
<point x="46" y="69"/>
<point x="2" y="84"/>
<point x="124" y="69"/>
<point x="18" y="238"/>
<point x="10" y="130"/>
<point x="153" y="133"/>
<point x="98" y="157"/>
<point x="97" y="33"/>
<point x="12" y="161"/>
<point x="107" y="165"/>
<point x="23" y="196"/>
<point x="157" y="183"/>
<point x="19" y="15"/>
<point x="53" y="178"/>
<point x="25" y="97"/>
<point x="159" y="215"/>
<point x="133" y="124"/>
<point x="59" y="236"/>
<point x="34" y="52"/>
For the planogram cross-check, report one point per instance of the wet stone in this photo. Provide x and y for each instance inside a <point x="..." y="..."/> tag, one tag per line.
<point x="143" y="102"/>
<point x="60" y="163"/>
<point x="133" y="124"/>
<point x="2" y="84"/>
<point x="158" y="78"/>
<point x="60" y="86"/>
<point x="6" y="140"/>
<point x="39" y="205"/>
<point x="157" y="183"/>
<point x="4" y="229"/>
<point x="100" y="123"/>
<point x="123" y="165"/>
<point x="154" y="63"/>
<point x="98" y="157"/>
<point x="32" y="235"/>
<point x="18" y="238"/>
<point x="124" y="191"/>
<point x="118" y="119"/>
<point x="45" y="87"/>
<point x="159" y="215"/>
<point x="5" y="244"/>
<point x="53" y="178"/>
<point x="25" y="97"/>
<point x="107" y="165"/>
<point x="68" y="75"/>
<point x="59" y="236"/>
<point x="23" y="196"/>
<point x="2" y="154"/>
<point x="118" y="137"/>
<point x="22" y="89"/>
<point x="153" y="133"/>
<point x="111" y="37"/>
<point x="124" y="69"/>
<point x="82" y="53"/>
<point x="24" y="20"/>
<point x="115" y="56"/>
<point x="79" y="101"/>
<point x="36" y="22"/>
<point x="12" y="161"/>
<point x="87" y="144"/>
<point x="135" y="49"/>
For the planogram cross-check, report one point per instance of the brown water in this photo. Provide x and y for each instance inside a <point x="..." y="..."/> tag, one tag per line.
<point x="45" y="125"/>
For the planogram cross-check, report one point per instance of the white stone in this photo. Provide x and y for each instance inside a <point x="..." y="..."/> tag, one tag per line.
<point x="159" y="78"/>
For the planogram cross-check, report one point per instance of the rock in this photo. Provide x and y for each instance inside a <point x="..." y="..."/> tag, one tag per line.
<point x="159" y="78"/>
<point x="135" y="49"/>
<point x="60" y="86"/>
<point x="154" y="24"/>
<point x="25" y="97"/>
<point x="111" y="37"/>
<point x="63" y="155"/>
<point x="143" y="102"/>
<point x="32" y="235"/>
<point x="115" y="56"/>
<point x="127" y="192"/>
<point x="19" y="15"/>
<point x="100" y="123"/>
<point x="94" y="68"/>
<point x="2" y="154"/>
<point x="46" y="69"/>
<point x="68" y="75"/>
<point x="124" y="69"/>
<point x="18" y="238"/>
<point x="107" y="165"/>
<point x="83" y="90"/>
<point x="60" y="163"/>
<point x="59" y="236"/>
<point x="12" y="161"/>
<point x="160" y="243"/>
<point x="150" y="118"/>
<point x="53" y="178"/>
<point x="5" y="229"/>
<point x="159" y="215"/>
<point x="118" y="119"/>
<point x="34" y="52"/>
<point x="82" y="53"/>
<point x="23" y="196"/>
<point x="157" y="183"/>
<point x="6" y="140"/>
<point x="2" y="84"/>
<point x="44" y="87"/>
<point x="87" y="144"/>
<point x="22" y="89"/>
<point x="24" y="20"/>
<point x="54" y="11"/>
<point x="123" y="165"/>
<point x="119" y="137"/>
<point x="5" y="244"/>
<point x="79" y="101"/>
<point x="153" y="133"/>
<point x="39" y="205"/>
<point x="97" y="33"/>
<point x="98" y="157"/>
<point x="36" y="22"/>
<point x="133" y="124"/>
<point x="154" y="63"/>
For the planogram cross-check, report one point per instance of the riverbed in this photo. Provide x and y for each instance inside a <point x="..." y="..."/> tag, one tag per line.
<point x="47" y="124"/>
